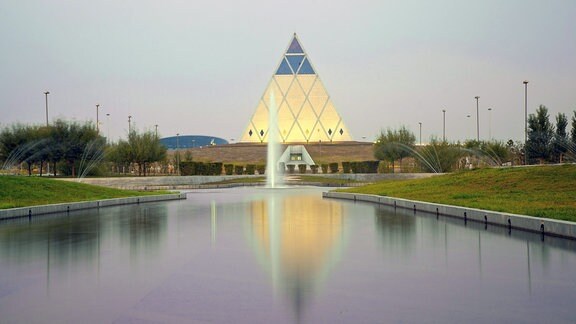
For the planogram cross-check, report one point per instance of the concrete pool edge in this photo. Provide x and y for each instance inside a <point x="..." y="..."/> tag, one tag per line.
<point x="74" y="206"/>
<point x="544" y="226"/>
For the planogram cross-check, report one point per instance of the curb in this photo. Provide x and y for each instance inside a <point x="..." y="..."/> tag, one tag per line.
<point x="543" y="226"/>
<point x="68" y="207"/>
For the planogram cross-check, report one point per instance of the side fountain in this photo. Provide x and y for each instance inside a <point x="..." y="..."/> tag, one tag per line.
<point x="273" y="176"/>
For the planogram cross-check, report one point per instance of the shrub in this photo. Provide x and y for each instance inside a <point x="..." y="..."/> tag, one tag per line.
<point x="345" y="167"/>
<point x="333" y="167"/>
<point x="324" y="168"/>
<point x="314" y="168"/>
<point x="229" y="169"/>
<point x="239" y="169"/>
<point x="291" y="168"/>
<point x="261" y="168"/>
<point x="355" y="167"/>
<point x="250" y="169"/>
<point x="302" y="168"/>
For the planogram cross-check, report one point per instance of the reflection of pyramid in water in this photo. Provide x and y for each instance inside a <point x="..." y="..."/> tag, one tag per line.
<point x="305" y="111"/>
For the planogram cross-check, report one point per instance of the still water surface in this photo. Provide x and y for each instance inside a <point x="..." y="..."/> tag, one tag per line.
<point x="251" y="255"/>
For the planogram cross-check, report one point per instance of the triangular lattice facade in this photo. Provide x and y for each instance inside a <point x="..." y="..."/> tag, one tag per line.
<point x="305" y="111"/>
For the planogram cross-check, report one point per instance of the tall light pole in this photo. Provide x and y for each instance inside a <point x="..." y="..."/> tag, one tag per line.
<point x="489" y="123"/>
<point x="444" y="125"/>
<point x="156" y="126"/>
<point x="420" y="123"/>
<point x="46" y="95"/>
<point x="108" y="127"/>
<point x="129" y="125"/>
<point x="178" y="153"/>
<point x="525" y="121"/>
<point x="97" y="121"/>
<point x="477" y="120"/>
<point x="468" y="116"/>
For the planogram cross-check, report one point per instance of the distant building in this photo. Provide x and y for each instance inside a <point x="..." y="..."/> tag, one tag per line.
<point x="191" y="141"/>
<point x="305" y="111"/>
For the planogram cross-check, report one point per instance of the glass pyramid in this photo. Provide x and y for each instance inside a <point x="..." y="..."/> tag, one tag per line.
<point x="305" y="111"/>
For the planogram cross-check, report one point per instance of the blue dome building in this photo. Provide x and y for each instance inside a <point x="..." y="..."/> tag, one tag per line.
<point x="191" y="141"/>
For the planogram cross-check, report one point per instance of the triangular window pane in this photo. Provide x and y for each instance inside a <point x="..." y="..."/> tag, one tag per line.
<point x="295" y="47"/>
<point x="295" y="61"/>
<point x="284" y="68"/>
<point x="306" y="68"/>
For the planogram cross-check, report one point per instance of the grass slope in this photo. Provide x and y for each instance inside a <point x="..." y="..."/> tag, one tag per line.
<point x="541" y="191"/>
<point x="19" y="191"/>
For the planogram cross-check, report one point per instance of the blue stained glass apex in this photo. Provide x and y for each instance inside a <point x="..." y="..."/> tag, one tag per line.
<point x="284" y="68"/>
<point x="295" y="47"/>
<point x="306" y="68"/>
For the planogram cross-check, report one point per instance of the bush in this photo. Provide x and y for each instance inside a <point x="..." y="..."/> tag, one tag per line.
<point x="250" y="169"/>
<point x="291" y="168"/>
<point x="324" y="168"/>
<point x="333" y="167"/>
<point x="345" y="167"/>
<point x="239" y="169"/>
<point x="200" y="168"/>
<point x="261" y="168"/>
<point x="302" y="168"/>
<point x="314" y="168"/>
<point x="229" y="169"/>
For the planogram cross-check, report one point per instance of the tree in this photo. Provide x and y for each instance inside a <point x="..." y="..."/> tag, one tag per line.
<point x="394" y="145"/>
<point x="572" y="144"/>
<point x="438" y="156"/>
<point x="540" y="135"/>
<point x="560" y="142"/>
<point x="141" y="149"/>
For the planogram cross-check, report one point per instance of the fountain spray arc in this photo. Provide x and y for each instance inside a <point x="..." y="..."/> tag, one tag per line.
<point x="273" y="176"/>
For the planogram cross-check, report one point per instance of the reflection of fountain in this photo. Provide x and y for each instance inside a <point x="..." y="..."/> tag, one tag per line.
<point x="273" y="177"/>
<point x="297" y="240"/>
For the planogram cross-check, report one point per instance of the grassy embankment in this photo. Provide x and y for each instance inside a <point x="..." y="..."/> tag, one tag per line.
<point x="19" y="191"/>
<point x="542" y="191"/>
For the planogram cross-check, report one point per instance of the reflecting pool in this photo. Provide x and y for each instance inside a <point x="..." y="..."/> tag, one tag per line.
<point x="254" y="255"/>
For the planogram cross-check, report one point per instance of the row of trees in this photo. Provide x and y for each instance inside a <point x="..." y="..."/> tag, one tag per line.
<point x="75" y="149"/>
<point x="546" y="143"/>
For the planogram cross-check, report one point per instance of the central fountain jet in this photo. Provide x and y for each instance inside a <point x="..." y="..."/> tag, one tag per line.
<point x="273" y="175"/>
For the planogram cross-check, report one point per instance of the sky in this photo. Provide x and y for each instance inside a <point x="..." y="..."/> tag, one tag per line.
<point x="200" y="67"/>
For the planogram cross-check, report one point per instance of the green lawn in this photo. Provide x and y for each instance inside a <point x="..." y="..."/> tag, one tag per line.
<point x="21" y="191"/>
<point x="542" y="191"/>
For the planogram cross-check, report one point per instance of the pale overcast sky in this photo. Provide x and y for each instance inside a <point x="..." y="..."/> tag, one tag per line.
<point x="200" y="67"/>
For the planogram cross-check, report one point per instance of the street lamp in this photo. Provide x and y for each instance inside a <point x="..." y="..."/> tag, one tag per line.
<point x="46" y="94"/>
<point x="420" y="123"/>
<point x="108" y="126"/>
<point x="525" y="121"/>
<point x="178" y="153"/>
<point x="97" y="121"/>
<point x="444" y="125"/>
<point x="477" y="120"/>
<point x="467" y="133"/>
<point x="129" y="126"/>
<point x="489" y="123"/>
<point x="156" y="126"/>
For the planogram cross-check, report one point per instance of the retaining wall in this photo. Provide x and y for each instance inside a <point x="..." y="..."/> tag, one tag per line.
<point x="512" y="221"/>
<point x="67" y="207"/>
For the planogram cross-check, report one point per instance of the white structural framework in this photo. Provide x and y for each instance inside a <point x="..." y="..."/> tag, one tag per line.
<point x="305" y="111"/>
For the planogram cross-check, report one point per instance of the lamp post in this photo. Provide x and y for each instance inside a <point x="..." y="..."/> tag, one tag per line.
<point x="477" y="120"/>
<point x="108" y="127"/>
<point x="129" y="126"/>
<point x="444" y="125"/>
<point x="97" y="121"/>
<point x="525" y="121"/>
<point x="177" y="153"/>
<point x="420" y="123"/>
<point x="467" y="116"/>
<point x="489" y="123"/>
<point x="46" y="95"/>
<point x="156" y="126"/>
